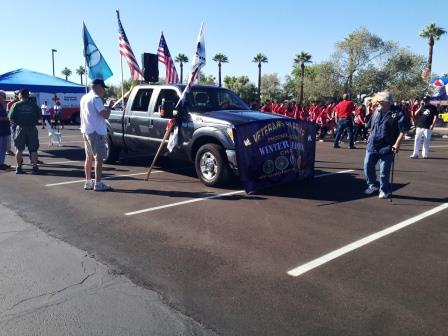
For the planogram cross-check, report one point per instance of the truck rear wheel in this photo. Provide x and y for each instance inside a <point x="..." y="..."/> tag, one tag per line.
<point x="211" y="165"/>
<point x="112" y="153"/>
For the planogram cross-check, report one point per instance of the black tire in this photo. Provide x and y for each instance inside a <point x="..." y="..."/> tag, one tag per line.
<point x="211" y="165"/>
<point x="113" y="152"/>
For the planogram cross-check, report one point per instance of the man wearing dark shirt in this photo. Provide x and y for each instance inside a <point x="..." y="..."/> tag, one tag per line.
<point x="425" y="118"/>
<point x="25" y="114"/>
<point x="344" y="118"/>
<point x="388" y="127"/>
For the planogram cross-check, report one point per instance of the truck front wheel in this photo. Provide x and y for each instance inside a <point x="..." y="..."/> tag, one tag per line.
<point x="211" y="165"/>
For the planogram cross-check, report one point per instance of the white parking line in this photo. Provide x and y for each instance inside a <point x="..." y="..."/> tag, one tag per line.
<point x="112" y="177"/>
<point x="364" y="241"/>
<point x="60" y="162"/>
<point x="104" y="178"/>
<point x="211" y="197"/>
<point x="184" y="202"/>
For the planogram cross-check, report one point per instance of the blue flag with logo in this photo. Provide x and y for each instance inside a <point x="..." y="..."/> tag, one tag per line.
<point x="96" y="64"/>
<point x="274" y="151"/>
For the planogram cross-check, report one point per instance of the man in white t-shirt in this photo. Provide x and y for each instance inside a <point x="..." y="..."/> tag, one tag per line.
<point x="94" y="132"/>
<point x="46" y="115"/>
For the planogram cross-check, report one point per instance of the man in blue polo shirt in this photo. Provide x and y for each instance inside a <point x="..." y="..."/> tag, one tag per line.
<point x="388" y="127"/>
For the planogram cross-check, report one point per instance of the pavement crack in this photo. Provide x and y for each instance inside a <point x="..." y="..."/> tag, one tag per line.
<point x="35" y="303"/>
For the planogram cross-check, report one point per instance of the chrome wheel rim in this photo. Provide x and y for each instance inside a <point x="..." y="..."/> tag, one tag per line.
<point x="209" y="166"/>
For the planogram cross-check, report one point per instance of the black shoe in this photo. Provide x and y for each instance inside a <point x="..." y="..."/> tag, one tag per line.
<point x="19" y="170"/>
<point x="352" y="147"/>
<point x="4" y="166"/>
<point x="336" y="146"/>
<point x="35" y="170"/>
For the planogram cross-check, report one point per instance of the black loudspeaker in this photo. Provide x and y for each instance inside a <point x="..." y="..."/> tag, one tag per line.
<point x="150" y="64"/>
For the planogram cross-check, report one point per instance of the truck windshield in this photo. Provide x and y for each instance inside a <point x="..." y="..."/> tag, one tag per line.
<point x="206" y="99"/>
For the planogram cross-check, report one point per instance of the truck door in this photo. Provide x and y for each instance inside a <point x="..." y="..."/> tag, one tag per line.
<point x="157" y="122"/>
<point x="137" y="129"/>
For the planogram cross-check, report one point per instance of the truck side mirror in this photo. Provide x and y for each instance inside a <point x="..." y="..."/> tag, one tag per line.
<point x="166" y="109"/>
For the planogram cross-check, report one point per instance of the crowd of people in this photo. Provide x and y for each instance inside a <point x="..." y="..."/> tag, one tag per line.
<point x="350" y="119"/>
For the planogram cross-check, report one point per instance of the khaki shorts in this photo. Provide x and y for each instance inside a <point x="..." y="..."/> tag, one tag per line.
<point x="26" y="136"/>
<point x="95" y="145"/>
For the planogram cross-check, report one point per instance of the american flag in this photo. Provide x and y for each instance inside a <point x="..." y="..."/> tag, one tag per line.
<point x="126" y="52"/>
<point x="171" y="76"/>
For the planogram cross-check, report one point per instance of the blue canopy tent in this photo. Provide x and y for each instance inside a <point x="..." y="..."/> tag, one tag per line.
<point x="37" y="82"/>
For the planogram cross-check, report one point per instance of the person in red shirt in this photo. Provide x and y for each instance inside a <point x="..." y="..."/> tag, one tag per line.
<point x="267" y="107"/>
<point x="344" y="118"/>
<point x="360" y="123"/>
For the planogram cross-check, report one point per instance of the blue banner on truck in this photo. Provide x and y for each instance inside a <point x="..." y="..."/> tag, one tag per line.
<point x="276" y="151"/>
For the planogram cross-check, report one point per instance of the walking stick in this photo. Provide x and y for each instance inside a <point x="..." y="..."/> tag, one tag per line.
<point x="392" y="175"/>
<point x="169" y="127"/>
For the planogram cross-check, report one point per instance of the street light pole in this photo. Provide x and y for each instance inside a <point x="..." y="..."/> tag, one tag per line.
<point x="52" y="58"/>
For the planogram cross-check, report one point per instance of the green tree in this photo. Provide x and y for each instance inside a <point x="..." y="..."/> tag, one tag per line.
<point x="370" y="80"/>
<point x="220" y="58"/>
<point x="404" y="78"/>
<point x="66" y="72"/>
<point x="357" y="51"/>
<point x="322" y="82"/>
<point x="242" y="87"/>
<point x="299" y="61"/>
<point x="81" y="71"/>
<point x="206" y="79"/>
<point x="432" y="33"/>
<point x="181" y="59"/>
<point x="271" y="88"/>
<point x="259" y="58"/>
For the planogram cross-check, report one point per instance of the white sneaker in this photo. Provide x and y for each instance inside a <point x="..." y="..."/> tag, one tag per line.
<point x="383" y="195"/>
<point x="413" y="157"/>
<point x="89" y="185"/>
<point x="371" y="190"/>
<point x="101" y="186"/>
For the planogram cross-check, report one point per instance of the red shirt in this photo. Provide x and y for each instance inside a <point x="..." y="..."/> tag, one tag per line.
<point x="345" y="109"/>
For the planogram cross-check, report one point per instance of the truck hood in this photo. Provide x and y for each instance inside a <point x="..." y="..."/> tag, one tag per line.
<point x="234" y="117"/>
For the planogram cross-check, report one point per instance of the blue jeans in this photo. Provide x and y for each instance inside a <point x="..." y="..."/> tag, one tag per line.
<point x="370" y="162"/>
<point x="344" y="123"/>
<point x="3" y="140"/>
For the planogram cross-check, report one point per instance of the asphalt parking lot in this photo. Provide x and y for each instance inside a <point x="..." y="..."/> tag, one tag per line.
<point x="312" y="259"/>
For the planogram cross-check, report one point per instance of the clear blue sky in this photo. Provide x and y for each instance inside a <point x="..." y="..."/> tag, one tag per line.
<point x="240" y="29"/>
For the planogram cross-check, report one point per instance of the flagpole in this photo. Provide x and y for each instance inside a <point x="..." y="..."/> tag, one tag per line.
<point x="85" y="58"/>
<point x="122" y="107"/>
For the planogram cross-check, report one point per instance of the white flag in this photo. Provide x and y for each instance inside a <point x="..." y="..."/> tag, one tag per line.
<point x="198" y="62"/>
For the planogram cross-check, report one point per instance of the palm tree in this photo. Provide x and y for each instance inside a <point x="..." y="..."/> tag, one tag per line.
<point x="80" y="72"/>
<point x="432" y="33"/>
<point x="220" y="58"/>
<point x="181" y="58"/>
<point x="260" y="58"/>
<point x="66" y="72"/>
<point x="300" y="60"/>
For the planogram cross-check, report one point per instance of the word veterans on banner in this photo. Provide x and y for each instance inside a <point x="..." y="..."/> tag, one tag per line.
<point x="274" y="151"/>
